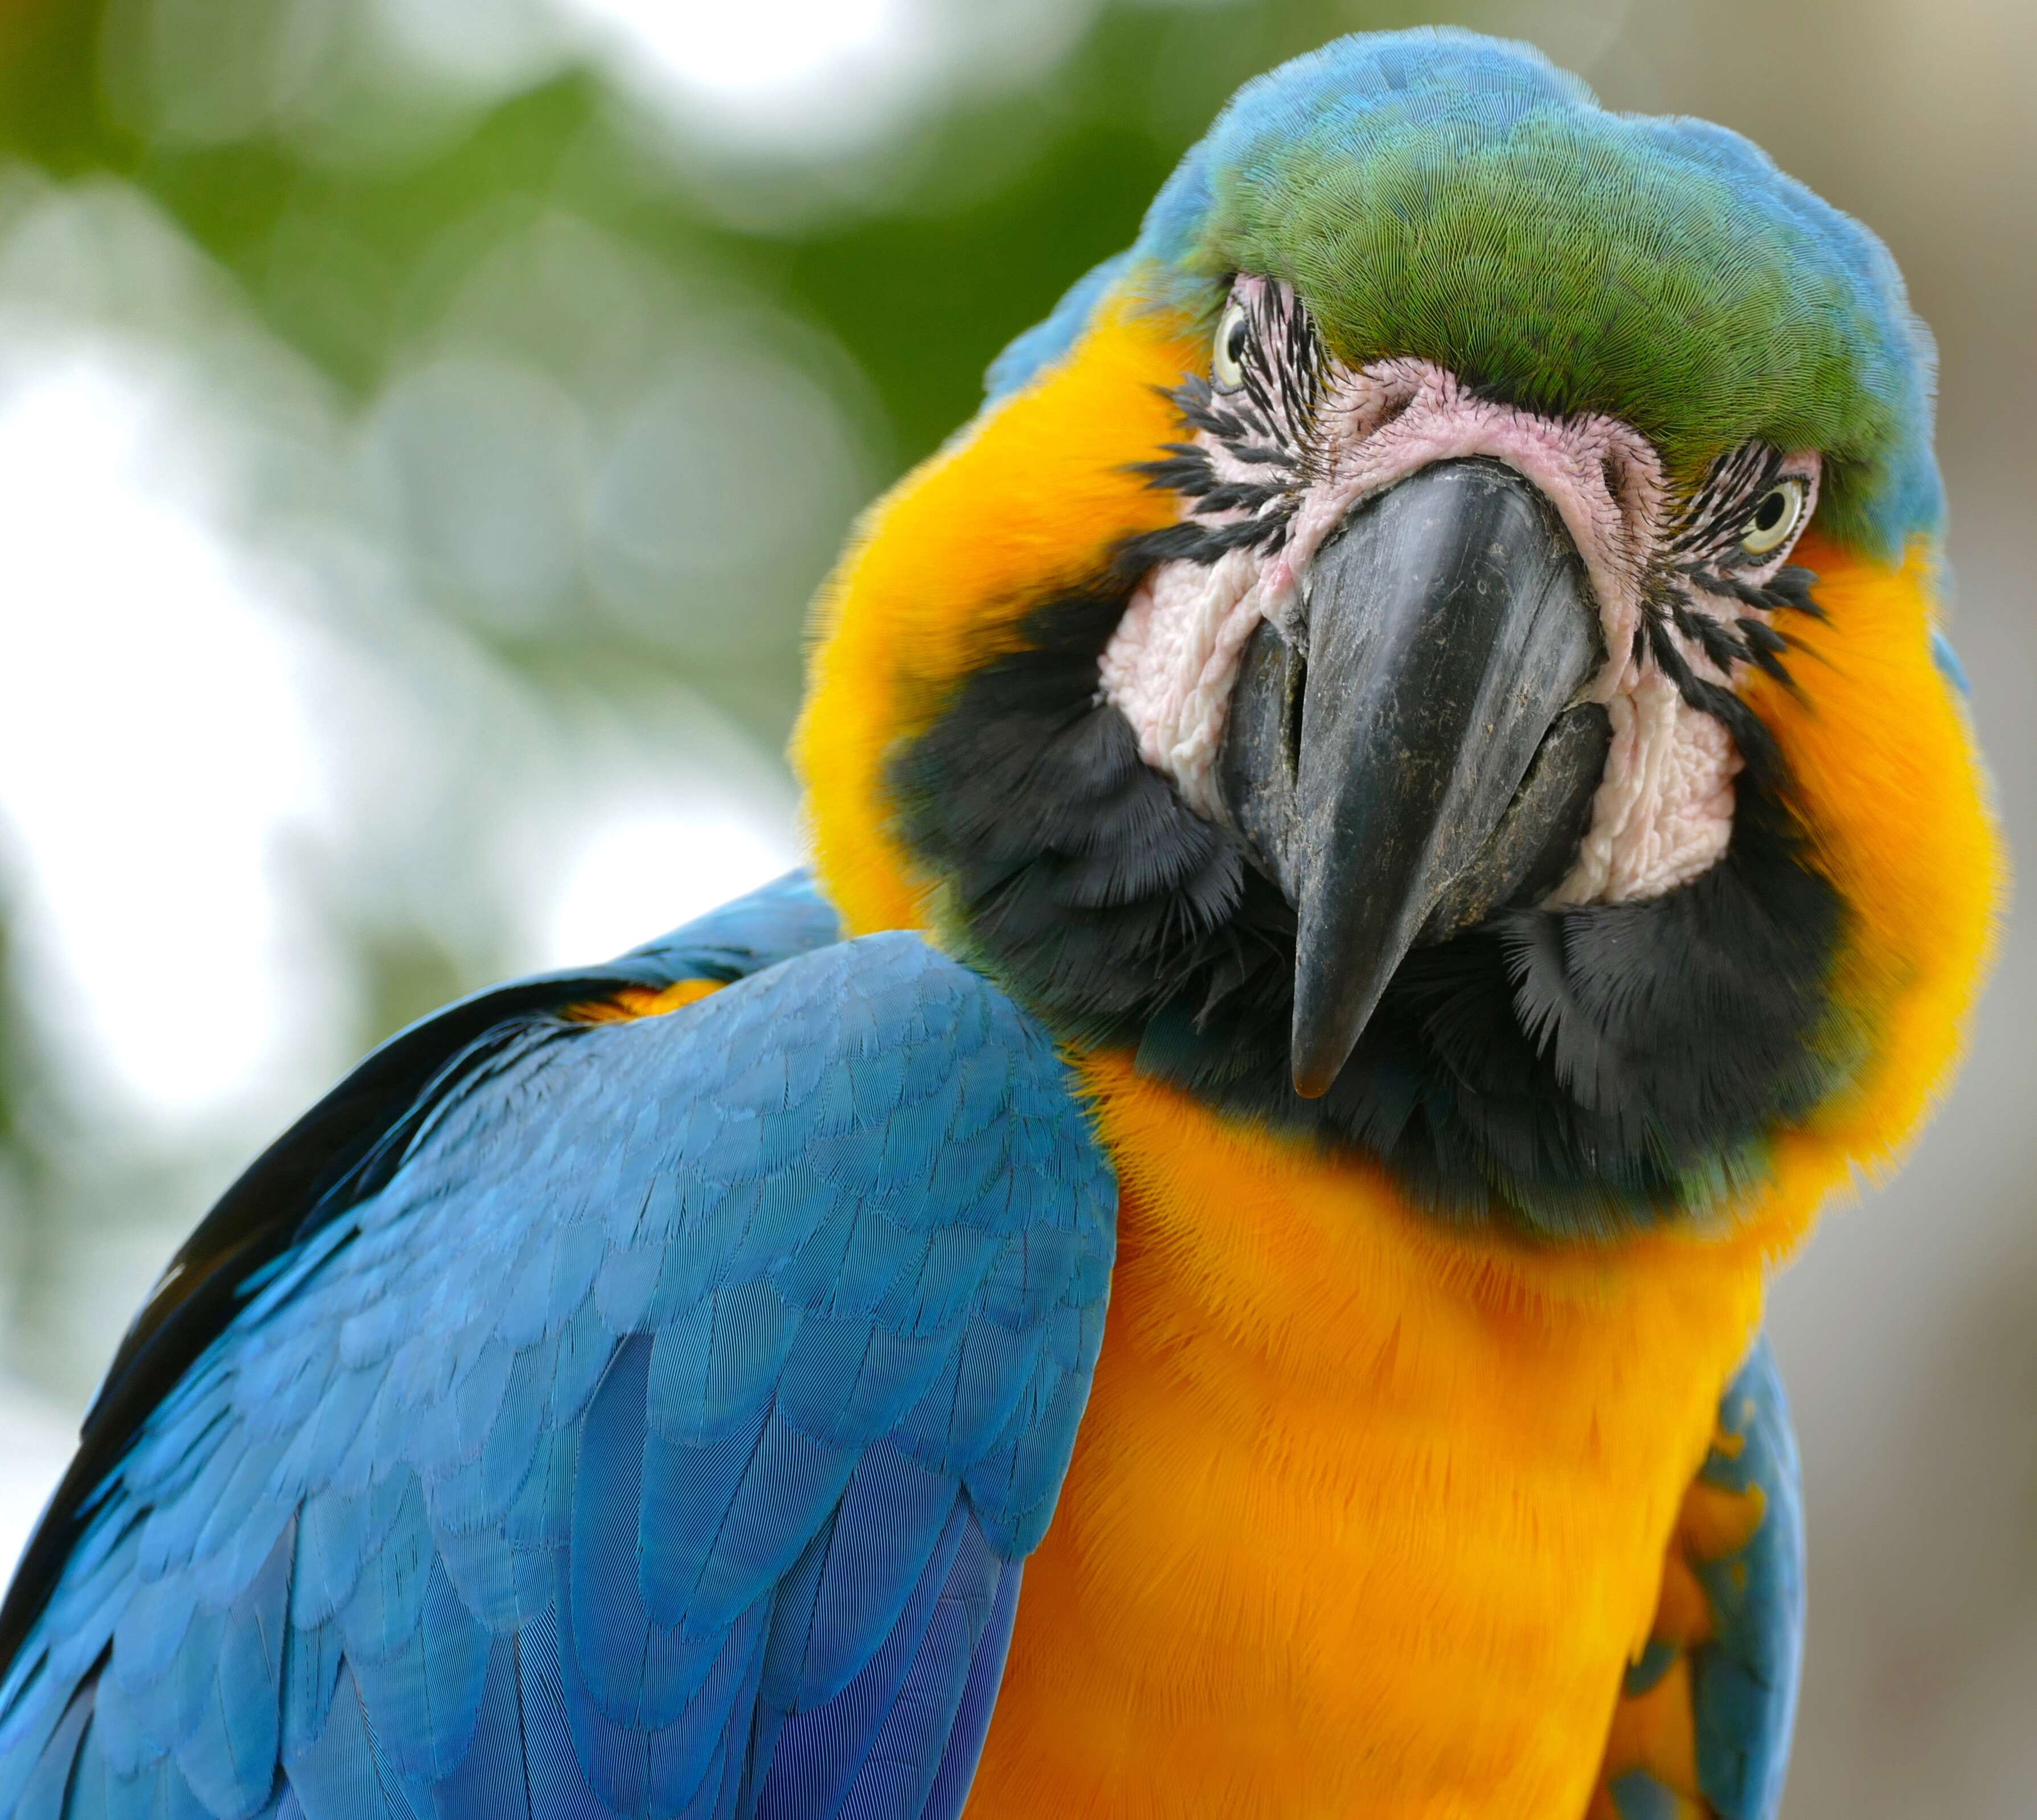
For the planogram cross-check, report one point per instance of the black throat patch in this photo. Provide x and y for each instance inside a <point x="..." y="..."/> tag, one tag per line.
<point x="1569" y="1072"/>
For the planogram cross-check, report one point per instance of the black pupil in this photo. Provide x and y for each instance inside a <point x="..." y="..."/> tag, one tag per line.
<point x="1769" y="514"/>
<point x="1234" y="345"/>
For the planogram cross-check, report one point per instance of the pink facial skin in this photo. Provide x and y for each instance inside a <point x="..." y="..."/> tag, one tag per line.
<point x="1664" y="812"/>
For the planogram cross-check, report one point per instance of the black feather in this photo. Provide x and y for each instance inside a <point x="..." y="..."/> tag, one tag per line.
<point x="1566" y="1070"/>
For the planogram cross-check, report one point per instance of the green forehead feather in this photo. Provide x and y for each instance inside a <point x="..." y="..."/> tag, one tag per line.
<point x="1568" y="270"/>
<point x="1444" y="196"/>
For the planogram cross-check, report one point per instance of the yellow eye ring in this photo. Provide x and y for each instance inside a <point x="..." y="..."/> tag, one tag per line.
<point x="1233" y="336"/>
<point x="1777" y="515"/>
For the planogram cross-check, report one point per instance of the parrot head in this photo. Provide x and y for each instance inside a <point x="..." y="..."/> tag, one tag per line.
<point x="1433" y="652"/>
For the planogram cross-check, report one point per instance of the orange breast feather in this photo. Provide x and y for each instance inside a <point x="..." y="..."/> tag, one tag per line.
<point x="1368" y="1516"/>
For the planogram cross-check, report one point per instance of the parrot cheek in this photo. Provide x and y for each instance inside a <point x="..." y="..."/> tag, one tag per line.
<point x="1414" y="752"/>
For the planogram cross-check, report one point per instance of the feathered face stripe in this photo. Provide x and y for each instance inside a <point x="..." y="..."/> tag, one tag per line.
<point x="1583" y="1069"/>
<point x="1282" y="441"/>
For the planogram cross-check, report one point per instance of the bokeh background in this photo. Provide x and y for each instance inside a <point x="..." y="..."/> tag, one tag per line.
<point x="422" y="422"/>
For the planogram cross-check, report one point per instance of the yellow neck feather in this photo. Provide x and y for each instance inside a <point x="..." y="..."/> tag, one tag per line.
<point x="1367" y="1512"/>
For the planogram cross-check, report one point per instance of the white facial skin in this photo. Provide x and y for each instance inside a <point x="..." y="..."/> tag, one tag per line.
<point x="1664" y="812"/>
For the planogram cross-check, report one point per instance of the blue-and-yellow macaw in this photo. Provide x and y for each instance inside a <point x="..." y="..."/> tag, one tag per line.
<point x="1393" y="809"/>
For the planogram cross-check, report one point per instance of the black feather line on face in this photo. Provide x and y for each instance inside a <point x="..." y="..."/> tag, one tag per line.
<point x="1267" y="424"/>
<point x="1701" y="555"/>
<point x="1569" y="1072"/>
<point x="1711" y="524"/>
<point x="1270" y="423"/>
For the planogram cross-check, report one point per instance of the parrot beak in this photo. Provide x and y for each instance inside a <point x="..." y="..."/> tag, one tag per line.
<point x="1413" y="756"/>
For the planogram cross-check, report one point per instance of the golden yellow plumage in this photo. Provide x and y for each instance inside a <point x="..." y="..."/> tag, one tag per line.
<point x="1369" y="1514"/>
<point x="1437" y="899"/>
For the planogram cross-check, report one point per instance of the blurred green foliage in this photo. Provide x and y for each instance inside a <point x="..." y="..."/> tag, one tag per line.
<point x="999" y="202"/>
<point x="584" y="391"/>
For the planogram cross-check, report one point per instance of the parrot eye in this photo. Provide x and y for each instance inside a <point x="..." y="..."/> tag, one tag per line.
<point x="1776" y="517"/>
<point x="1233" y="336"/>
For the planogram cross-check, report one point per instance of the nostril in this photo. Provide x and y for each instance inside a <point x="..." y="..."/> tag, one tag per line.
<point x="1392" y="409"/>
<point x="1292" y="709"/>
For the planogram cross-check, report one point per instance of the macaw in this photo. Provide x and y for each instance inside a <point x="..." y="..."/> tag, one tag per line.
<point x="1395" y="810"/>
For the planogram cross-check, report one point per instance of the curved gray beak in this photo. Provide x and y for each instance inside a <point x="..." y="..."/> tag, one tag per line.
<point x="1413" y="757"/>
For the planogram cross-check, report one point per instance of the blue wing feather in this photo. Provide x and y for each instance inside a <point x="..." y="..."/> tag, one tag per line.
<point x="1743" y="1681"/>
<point x="652" y="1421"/>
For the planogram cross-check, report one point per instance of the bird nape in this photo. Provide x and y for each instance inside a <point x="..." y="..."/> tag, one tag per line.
<point x="1394" y="813"/>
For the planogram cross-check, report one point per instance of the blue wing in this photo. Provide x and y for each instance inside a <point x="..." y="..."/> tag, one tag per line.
<point x="639" y="1417"/>
<point x="1949" y="666"/>
<point x="1742" y="1543"/>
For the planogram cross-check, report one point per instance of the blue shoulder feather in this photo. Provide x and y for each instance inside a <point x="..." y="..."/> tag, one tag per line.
<point x="1949" y="666"/>
<point x="1039" y="346"/>
<point x="649" y="1418"/>
<point x="1744" y="1681"/>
